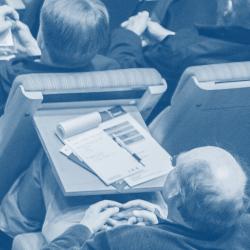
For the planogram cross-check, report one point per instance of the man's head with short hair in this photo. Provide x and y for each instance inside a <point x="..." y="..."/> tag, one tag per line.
<point x="72" y="32"/>
<point x="207" y="187"/>
<point x="234" y="12"/>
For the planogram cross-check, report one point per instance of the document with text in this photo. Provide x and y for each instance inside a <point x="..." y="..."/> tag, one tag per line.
<point x="114" y="146"/>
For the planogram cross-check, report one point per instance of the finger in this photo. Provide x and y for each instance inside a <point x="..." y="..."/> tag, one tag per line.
<point x="18" y="25"/>
<point x="132" y="220"/>
<point x="146" y="205"/>
<point x="112" y="222"/>
<point x="5" y="26"/>
<point x="144" y="13"/>
<point x="146" y="215"/>
<point x="124" y="24"/>
<point x="140" y="203"/>
<point x="159" y="212"/>
<point x="124" y="214"/>
<point x="131" y="20"/>
<point x="109" y="212"/>
<point x="105" y="228"/>
<point x="140" y="219"/>
<point x="101" y="205"/>
<point x="6" y="10"/>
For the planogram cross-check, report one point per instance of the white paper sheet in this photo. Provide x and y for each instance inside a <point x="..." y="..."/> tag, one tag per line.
<point x="103" y="155"/>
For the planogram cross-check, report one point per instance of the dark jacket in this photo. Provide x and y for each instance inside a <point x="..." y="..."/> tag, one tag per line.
<point x="166" y="235"/>
<point x="5" y="241"/>
<point x="196" y="46"/>
<point x="124" y="50"/>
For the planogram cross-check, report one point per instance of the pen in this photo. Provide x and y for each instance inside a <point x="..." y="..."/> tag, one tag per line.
<point x="124" y="146"/>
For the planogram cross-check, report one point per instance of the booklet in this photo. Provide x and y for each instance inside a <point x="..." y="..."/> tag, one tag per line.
<point x="114" y="146"/>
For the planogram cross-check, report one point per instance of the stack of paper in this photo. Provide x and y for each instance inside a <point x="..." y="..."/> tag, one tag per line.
<point x="118" y="149"/>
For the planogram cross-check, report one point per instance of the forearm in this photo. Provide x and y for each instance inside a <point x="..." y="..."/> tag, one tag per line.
<point x="125" y="48"/>
<point x="73" y="238"/>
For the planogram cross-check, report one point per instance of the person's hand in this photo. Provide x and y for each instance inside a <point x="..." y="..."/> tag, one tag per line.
<point x="138" y="23"/>
<point x="97" y="215"/>
<point x="8" y="15"/>
<point x="137" y="212"/>
<point x="157" y="31"/>
<point x="145" y="205"/>
<point x="135" y="216"/>
<point x="24" y="42"/>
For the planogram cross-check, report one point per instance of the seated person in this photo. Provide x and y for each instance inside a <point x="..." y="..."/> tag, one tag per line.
<point x="36" y="202"/>
<point x="227" y="41"/>
<point x="205" y="195"/>
<point x="70" y="36"/>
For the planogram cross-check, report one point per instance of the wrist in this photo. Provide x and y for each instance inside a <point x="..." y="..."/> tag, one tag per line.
<point x="33" y="51"/>
<point x="30" y="49"/>
<point x="88" y="226"/>
<point x="133" y="31"/>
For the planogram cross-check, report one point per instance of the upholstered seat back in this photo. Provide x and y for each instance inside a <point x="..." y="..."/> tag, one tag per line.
<point x="211" y="106"/>
<point x="34" y="92"/>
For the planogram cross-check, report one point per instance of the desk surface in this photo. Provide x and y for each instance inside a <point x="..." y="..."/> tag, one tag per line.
<point x="73" y="179"/>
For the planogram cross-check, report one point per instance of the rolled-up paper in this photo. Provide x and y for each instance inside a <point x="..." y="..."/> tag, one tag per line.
<point x="78" y="125"/>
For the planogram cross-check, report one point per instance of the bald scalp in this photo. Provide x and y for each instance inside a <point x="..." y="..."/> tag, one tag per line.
<point x="226" y="173"/>
<point x="212" y="188"/>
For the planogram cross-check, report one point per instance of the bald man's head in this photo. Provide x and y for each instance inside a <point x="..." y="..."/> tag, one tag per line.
<point x="210" y="186"/>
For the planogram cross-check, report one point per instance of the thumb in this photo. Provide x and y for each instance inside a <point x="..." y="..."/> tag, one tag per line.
<point x="20" y="26"/>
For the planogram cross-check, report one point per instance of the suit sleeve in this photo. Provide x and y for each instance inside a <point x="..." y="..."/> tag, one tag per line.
<point x="79" y="237"/>
<point x="175" y="53"/>
<point x="126" y="49"/>
<point x="74" y="237"/>
<point x="5" y="80"/>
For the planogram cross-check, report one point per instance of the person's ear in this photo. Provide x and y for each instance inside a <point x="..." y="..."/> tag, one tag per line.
<point x="171" y="187"/>
<point x="246" y="205"/>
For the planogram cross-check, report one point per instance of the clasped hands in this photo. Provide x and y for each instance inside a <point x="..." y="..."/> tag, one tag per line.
<point x="108" y="214"/>
<point x="142" y="22"/>
<point x="24" y="42"/>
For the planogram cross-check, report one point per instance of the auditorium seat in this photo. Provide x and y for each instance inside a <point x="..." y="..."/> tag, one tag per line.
<point x="211" y="106"/>
<point x="33" y="92"/>
<point x="39" y="92"/>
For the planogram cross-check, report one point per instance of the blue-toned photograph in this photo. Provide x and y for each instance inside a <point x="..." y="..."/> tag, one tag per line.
<point x="124" y="124"/>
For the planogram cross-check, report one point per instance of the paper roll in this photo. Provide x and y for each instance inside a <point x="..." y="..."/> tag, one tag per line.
<point x="78" y="125"/>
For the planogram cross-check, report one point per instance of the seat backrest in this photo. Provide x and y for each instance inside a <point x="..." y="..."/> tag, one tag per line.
<point x="211" y="106"/>
<point x="35" y="92"/>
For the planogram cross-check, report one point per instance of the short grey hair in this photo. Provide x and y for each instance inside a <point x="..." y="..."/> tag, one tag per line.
<point x="210" y="202"/>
